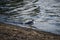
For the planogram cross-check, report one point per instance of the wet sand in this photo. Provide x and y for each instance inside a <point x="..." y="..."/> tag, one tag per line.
<point x="11" y="32"/>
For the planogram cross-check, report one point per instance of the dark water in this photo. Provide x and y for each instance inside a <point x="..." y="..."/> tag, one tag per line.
<point x="45" y="13"/>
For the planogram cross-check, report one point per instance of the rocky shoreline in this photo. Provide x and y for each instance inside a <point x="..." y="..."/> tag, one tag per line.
<point x="11" y="32"/>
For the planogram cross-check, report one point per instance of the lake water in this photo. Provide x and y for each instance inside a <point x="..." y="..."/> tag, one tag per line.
<point x="45" y="13"/>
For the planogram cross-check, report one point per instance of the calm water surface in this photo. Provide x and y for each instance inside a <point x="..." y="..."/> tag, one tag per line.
<point x="45" y="13"/>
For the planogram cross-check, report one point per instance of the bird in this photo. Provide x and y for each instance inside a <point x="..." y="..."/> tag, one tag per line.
<point x="29" y="22"/>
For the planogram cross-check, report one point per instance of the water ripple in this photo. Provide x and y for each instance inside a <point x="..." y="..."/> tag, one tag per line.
<point x="45" y="13"/>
